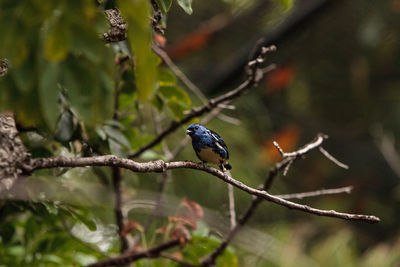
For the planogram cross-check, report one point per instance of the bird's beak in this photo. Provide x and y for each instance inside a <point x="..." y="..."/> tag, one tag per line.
<point x="189" y="132"/>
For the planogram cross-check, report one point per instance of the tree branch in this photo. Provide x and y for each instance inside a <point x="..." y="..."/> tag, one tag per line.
<point x="155" y="20"/>
<point x="3" y="67"/>
<point x="232" y="212"/>
<point x="118" y="26"/>
<point x="316" y="193"/>
<point x="161" y="166"/>
<point x="128" y="258"/>
<point x="119" y="217"/>
<point x="13" y="154"/>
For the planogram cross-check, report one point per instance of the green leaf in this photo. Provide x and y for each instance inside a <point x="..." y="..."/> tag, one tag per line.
<point x="7" y="231"/>
<point x="65" y="126"/>
<point x="287" y="4"/>
<point x="186" y="5"/>
<point x="16" y="251"/>
<point x="84" y="259"/>
<point x="117" y="135"/>
<point x="89" y="223"/>
<point x="116" y="148"/>
<point x="177" y="100"/>
<point x="173" y="93"/>
<point x="48" y="93"/>
<point x="164" y="5"/>
<point x="101" y="133"/>
<point x="158" y="102"/>
<point x="137" y="13"/>
<point x="201" y="246"/>
<point x="51" y="258"/>
<point x="166" y="77"/>
<point x="56" y="40"/>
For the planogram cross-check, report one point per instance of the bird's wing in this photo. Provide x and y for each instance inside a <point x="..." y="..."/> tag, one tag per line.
<point x="219" y="142"/>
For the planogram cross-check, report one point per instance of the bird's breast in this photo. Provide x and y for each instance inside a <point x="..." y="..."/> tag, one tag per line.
<point x="209" y="155"/>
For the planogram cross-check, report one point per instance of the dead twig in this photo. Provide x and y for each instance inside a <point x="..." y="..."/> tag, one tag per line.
<point x="322" y="192"/>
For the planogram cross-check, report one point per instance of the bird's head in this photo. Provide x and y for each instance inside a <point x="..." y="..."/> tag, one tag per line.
<point x="195" y="129"/>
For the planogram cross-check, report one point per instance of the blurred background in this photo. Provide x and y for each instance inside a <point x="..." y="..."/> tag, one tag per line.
<point x="338" y="69"/>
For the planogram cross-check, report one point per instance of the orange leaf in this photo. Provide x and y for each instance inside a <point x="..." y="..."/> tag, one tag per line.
<point x="160" y="40"/>
<point x="181" y="233"/>
<point x="193" y="207"/>
<point x="129" y="227"/>
<point x="287" y="139"/>
<point x="280" y="78"/>
<point x="199" y="38"/>
<point x="177" y="255"/>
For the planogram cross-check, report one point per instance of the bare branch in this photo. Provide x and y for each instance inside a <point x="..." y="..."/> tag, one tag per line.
<point x="161" y="166"/>
<point x="181" y="262"/>
<point x="3" y="67"/>
<point x="332" y="158"/>
<point x="316" y="193"/>
<point x="13" y="154"/>
<point x="292" y="156"/>
<point x="254" y="74"/>
<point x="232" y="212"/>
<point x="119" y="217"/>
<point x="131" y="257"/>
<point x="305" y="149"/>
<point x="386" y="145"/>
<point x="118" y="26"/>
<point x="156" y="18"/>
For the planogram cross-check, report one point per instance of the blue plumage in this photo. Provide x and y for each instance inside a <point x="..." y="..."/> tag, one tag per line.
<point x="209" y="146"/>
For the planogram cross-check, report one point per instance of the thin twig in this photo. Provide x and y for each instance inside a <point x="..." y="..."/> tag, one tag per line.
<point x="181" y="262"/>
<point x="386" y="145"/>
<point x="128" y="258"/>
<point x="186" y="81"/>
<point x="316" y="193"/>
<point x="119" y="217"/>
<point x="232" y="212"/>
<point x="292" y="156"/>
<point x="332" y="158"/>
<point x="116" y="175"/>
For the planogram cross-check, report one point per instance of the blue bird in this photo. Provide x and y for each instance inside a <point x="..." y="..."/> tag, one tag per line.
<point x="209" y="146"/>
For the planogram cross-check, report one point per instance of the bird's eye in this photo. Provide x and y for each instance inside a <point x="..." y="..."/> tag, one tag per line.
<point x="196" y="128"/>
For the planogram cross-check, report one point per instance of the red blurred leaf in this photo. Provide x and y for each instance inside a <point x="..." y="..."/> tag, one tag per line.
<point x="197" y="39"/>
<point x="193" y="207"/>
<point x="189" y="212"/>
<point x="160" y="40"/>
<point x="177" y="255"/>
<point x="181" y="233"/>
<point x="129" y="227"/>
<point x="280" y="78"/>
<point x="162" y="230"/>
<point x="287" y="139"/>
